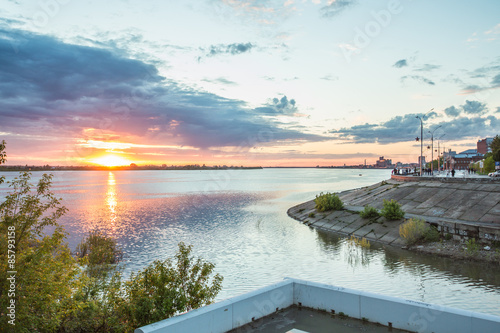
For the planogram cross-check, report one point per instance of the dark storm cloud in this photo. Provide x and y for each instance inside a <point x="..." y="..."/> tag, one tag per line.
<point x="336" y="7"/>
<point x="400" y="63"/>
<point x="50" y="87"/>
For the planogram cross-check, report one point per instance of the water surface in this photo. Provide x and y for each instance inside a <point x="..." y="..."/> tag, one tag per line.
<point x="237" y="219"/>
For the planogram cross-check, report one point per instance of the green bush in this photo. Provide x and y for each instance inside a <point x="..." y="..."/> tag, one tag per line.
<point x="369" y="212"/>
<point x="416" y="230"/>
<point x="328" y="201"/>
<point x="98" y="252"/>
<point x="56" y="292"/>
<point x="431" y="234"/>
<point x="392" y="210"/>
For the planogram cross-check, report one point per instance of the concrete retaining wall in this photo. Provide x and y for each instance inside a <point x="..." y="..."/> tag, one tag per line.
<point x="390" y="311"/>
<point x="475" y="180"/>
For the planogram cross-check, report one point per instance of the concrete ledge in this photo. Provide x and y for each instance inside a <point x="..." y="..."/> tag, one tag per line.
<point x="390" y="311"/>
<point x="477" y="180"/>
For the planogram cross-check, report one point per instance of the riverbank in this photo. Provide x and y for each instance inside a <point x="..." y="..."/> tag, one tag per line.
<point x="461" y="210"/>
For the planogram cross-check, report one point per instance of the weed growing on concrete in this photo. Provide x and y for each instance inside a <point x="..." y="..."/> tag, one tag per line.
<point x="471" y="247"/>
<point x="328" y="201"/>
<point x="369" y="212"/>
<point x="311" y="214"/>
<point x="431" y="234"/>
<point x="413" y="230"/>
<point x="362" y="242"/>
<point x="392" y="210"/>
<point x="301" y="210"/>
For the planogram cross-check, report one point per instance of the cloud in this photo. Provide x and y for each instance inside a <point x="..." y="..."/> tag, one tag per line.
<point x="406" y="128"/>
<point x="452" y="111"/>
<point x="232" y="49"/>
<point x="400" y="63"/>
<point x="427" y="68"/>
<point x="221" y="80"/>
<point x="329" y="77"/>
<point x="279" y="106"/>
<point x="335" y="7"/>
<point x="474" y="107"/>
<point x="495" y="82"/>
<point x="418" y="78"/>
<point x="51" y="88"/>
<point x="397" y="129"/>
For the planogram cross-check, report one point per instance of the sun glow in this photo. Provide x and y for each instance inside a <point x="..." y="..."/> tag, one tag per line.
<point x="111" y="161"/>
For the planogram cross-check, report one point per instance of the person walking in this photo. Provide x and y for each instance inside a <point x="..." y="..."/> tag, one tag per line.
<point x="453" y="172"/>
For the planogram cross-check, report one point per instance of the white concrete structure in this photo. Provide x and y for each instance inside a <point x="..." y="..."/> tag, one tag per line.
<point x="390" y="311"/>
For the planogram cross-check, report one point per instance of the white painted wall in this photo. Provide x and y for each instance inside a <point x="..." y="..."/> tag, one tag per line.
<point x="405" y="314"/>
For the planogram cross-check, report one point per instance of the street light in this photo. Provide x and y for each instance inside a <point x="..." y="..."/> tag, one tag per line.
<point x="421" y="142"/>
<point x="439" y="153"/>
<point x="422" y="139"/>
<point x="432" y="152"/>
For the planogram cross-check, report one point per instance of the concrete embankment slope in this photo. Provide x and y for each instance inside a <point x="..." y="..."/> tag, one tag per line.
<point x="464" y="209"/>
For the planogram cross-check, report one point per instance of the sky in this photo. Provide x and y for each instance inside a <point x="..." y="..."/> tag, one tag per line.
<point x="245" y="82"/>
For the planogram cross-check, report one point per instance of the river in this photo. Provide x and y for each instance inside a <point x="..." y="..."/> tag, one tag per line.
<point x="237" y="219"/>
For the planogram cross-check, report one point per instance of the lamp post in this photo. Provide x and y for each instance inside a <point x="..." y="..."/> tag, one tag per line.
<point x="439" y="153"/>
<point x="421" y="142"/>
<point x="432" y="151"/>
<point x="422" y="139"/>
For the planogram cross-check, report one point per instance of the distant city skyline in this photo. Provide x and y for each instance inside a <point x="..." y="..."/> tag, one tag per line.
<point x="249" y="82"/>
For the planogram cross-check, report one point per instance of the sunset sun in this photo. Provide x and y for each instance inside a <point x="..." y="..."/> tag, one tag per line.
<point x="111" y="161"/>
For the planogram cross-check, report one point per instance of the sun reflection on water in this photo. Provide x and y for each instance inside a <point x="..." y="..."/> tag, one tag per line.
<point x="111" y="200"/>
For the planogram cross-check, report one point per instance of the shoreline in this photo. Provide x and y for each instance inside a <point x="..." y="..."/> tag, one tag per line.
<point x="460" y="211"/>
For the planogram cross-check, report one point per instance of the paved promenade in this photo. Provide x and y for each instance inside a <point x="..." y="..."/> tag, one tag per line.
<point x="464" y="207"/>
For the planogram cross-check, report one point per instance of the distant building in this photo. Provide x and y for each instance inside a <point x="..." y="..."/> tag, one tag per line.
<point x="463" y="160"/>
<point x="423" y="161"/>
<point x="383" y="163"/>
<point x="483" y="146"/>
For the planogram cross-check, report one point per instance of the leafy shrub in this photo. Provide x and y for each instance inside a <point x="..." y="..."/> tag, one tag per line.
<point x="369" y="212"/>
<point x="328" y="201"/>
<point x="431" y="234"/>
<point x="99" y="252"/>
<point x="472" y="247"/>
<point x="392" y="210"/>
<point x="415" y="230"/>
<point x="166" y="288"/>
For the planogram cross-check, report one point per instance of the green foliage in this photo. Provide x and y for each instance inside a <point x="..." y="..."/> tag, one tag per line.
<point x="369" y="212"/>
<point x="489" y="165"/>
<point x="471" y="247"/>
<point x="166" y="288"/>
<point x="416" y="230"/>
<point x="495" y="148"/>
<point x="311" y="214"/>
<point x="100" y="252"/>
<point x="431" y="235"/>
<point x="55" y="292"/>
<point x="392" y="210"/>
<point x="360" y="242"/>
<point x="46" y="270"/>
<point x="3" y="157"/>
<point x="328" y="201"/>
